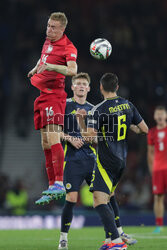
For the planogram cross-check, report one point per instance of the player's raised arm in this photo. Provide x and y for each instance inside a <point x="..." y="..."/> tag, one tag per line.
<point x="34" y="70"/>
<point x="140" y="128"/>
<point x="69" y="70"/>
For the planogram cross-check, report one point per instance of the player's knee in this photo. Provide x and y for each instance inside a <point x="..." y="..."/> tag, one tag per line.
<point x="99" y="199"/>
<point x="159" y="198"/>
<point x="72" y="197"/>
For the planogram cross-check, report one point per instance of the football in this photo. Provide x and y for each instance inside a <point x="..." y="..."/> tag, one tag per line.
<point x="100" y="49"/>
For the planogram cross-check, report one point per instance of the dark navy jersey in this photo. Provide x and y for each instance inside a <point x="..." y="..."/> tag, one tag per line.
<point x="71" y="128"/>
<point x="112" y="119"/>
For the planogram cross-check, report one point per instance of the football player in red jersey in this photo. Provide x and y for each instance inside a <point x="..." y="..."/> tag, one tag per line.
<point x="58" y="60"/>
<point x="157" y="162"/>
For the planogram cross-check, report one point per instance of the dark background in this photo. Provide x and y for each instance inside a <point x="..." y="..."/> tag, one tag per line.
<point x="137" y="32"/>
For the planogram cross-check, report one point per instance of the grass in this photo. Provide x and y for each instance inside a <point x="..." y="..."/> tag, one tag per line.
<point x="79" y="239"/>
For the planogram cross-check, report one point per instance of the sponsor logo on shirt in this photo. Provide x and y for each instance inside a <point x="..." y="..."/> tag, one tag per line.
<point x="49" y="119"/>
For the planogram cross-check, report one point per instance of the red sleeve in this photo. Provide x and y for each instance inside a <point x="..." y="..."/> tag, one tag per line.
<point x="71" y="53"/>
<point x="150" y="137"/>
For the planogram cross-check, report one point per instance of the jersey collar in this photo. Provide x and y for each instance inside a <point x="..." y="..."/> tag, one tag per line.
<point x="112" y="98"/>
<point x="77" y="102"/>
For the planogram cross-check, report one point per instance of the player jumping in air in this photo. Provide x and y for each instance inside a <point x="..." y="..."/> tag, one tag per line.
<point x="110" y="121"/>
<point x="58" y="59"/>
<point x="157" y="162"/>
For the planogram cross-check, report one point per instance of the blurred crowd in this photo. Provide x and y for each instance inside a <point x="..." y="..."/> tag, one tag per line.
<point x="137" y="32"/>
<point x="13" y="196"/>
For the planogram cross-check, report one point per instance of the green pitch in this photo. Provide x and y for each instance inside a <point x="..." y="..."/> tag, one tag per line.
<point x="79" y="239"/>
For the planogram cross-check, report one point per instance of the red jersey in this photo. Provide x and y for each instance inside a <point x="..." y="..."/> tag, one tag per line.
<point x="57" y="52"/>
<point x="158" y="139"/>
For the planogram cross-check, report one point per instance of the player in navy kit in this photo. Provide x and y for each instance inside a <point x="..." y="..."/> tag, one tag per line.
<point x="80" y="158"/>
<point x="110" y="121"/>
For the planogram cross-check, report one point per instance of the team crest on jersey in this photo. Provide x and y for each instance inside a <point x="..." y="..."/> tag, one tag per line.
<point x="49" y="49"/>
<point x="68" y="186"/>
<point x="161" y="135"/>
<point x="73" y="55"/>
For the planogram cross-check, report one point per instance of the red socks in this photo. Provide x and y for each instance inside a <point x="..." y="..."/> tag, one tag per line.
<point x="49" y="166"/>
<point x="159" y="221"/>
<point x="58" y="161"/>
<point x="54" y="158"/>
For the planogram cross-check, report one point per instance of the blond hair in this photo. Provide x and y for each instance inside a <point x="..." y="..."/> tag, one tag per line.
<point x="81" y="75"/>
<point x="59" y="16"/>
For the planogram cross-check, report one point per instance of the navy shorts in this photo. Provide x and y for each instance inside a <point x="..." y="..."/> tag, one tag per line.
<point x="105" y="180"/>
<point x="75" y="172"/>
